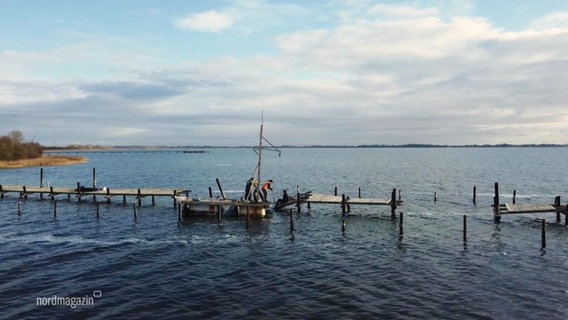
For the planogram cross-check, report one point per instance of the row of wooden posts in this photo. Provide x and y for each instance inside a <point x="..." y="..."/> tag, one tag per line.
<point x="291" y="219"/>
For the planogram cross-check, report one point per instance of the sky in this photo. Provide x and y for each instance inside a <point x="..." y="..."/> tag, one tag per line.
<point x="352" y="72"/>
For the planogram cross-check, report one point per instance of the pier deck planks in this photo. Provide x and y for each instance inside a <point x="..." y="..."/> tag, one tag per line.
<point x="325" y="198"/>
<point x="144" y="192"/>
<point x="528" y="208"/>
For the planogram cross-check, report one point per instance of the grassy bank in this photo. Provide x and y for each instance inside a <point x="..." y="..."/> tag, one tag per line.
<point x="46" y="160"/>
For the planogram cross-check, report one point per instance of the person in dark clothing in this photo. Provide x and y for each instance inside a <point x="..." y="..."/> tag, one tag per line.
<point x="248" y="188"/>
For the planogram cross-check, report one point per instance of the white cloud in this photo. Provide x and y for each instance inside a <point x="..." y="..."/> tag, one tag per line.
<point x="416" y="77"/>
<point x="557" y="20"/>
<point x="209" y="21"/>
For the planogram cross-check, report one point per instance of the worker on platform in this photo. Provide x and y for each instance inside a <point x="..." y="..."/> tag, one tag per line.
<point x="248" y="188"/>
<point x="265" y="187"/>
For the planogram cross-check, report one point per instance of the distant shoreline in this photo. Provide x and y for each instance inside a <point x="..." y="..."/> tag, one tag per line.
<point x="46" y="160"/>
<point x="410" y="145"/>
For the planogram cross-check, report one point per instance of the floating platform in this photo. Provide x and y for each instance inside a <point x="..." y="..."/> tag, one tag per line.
<point x="219" y="206"/>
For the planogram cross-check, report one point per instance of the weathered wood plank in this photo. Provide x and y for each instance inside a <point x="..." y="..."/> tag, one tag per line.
<point x="529" y="208"/>
<point x="326" y="198"/>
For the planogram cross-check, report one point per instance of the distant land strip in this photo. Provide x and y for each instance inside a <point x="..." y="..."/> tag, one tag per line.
<point x="410" y="145"/>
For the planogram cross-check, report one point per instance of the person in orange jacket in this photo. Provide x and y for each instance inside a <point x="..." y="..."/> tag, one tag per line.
<point x="267" y="185"/>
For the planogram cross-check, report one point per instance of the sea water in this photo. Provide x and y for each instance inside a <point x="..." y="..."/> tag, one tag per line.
<point x="80" y="266"/>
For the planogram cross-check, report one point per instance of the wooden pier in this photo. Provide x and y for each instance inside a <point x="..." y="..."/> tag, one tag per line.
<point x="346" y="201"/>
<point x="107" y="193"/>
<point x="516" y="208"/>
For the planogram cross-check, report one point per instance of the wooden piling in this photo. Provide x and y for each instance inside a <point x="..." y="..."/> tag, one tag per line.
<point x="220" y="189"/>
<point x="51" y="193"/>
<point x="139" y="197"/>
<point x="25" y="192"/>
<point x="400" y="225"/>
<point x="211" y="193"/>
<point x="514" y="196"/>
<point x="435" y="196"/>
<point x="179" y="212"/>
<point x="108" y="195"/>
<point x="41" y="182"/>
<point x="248" y="217"/>
<point x="543" y="234"/>
<point x="94" y="178"/>
<point x="557" y="201"/>
<point x="359" y="192"/>
<point x="496" y="209"/>
<point x="78" y="192"/>
<point x="1" y="192"/>
<point x="464" y="228"/>
<point x="343" y="204"/>
<point x="393" y="202"/>
<point x="474" y="194"/>
<point x="399" y="195"/>
<point x="298" y="201"/>
<point x="335" y="191"/>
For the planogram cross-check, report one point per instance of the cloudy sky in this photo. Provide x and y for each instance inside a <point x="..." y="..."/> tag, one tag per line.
<point x="192" y="72"/>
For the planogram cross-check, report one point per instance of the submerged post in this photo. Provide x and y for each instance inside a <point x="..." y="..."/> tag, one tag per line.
<point x="464" y="228"/>
<point x="400" y="225"/>
<point x="474" y="194"/>
<point x="543" y="234"/>
<point x="557" y="201"/>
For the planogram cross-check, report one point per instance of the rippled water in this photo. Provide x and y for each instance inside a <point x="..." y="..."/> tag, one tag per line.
<point x="155" y="267"/>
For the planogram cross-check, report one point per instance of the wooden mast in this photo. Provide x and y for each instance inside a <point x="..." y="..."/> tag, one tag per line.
<point x="260" y="150"/>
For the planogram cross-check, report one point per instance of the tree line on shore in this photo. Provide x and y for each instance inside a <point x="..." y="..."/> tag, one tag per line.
<point x="13" y="147"/>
